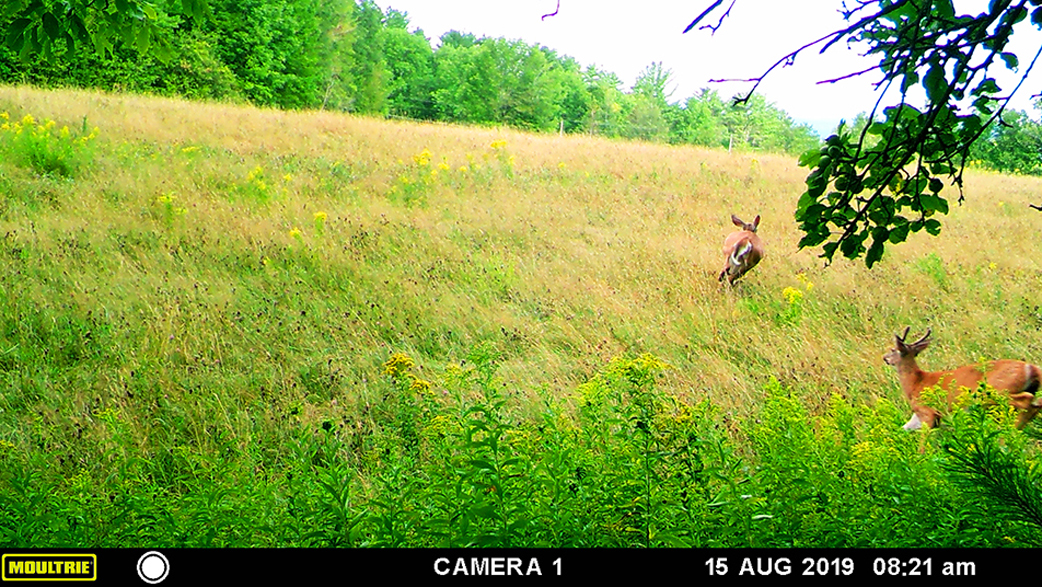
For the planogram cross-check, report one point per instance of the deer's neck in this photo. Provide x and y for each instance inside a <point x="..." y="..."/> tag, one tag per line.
<point x="911" y="377"/>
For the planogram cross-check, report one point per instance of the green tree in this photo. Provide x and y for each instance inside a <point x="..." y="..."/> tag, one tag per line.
<point x="644" y="118"/>
<point x="858" y="191"/>
<point x="410" y="60"/>
<point x="43" y="26"/>
<point x="465" y="82"/>
<point x="498" y="81"/>
<point x="1013" y="145"/>
<point x="605" y="111"/>
<point x="700" y="122"/>
<point x="370" y="76"/>
<point x="652" y="83"/>
<point x="575" y="101"/>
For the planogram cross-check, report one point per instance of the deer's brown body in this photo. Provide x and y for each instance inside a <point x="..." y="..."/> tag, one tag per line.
<point x="1018" y="379"/>
<point x="743" y="250"/>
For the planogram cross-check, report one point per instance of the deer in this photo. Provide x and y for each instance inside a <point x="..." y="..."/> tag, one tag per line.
<point x="743" y="249"/>
<point x="1018" y="379"/>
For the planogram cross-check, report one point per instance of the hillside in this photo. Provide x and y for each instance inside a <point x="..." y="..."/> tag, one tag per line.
<point x="247" y="306"/>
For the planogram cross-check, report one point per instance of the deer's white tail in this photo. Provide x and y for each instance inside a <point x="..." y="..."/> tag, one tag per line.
<point x="743" y="249"/>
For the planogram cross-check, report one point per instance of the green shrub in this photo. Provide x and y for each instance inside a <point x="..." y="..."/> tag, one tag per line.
<point x="45" y="149"/>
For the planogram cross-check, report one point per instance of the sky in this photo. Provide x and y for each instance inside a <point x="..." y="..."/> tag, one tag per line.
<point x="624" y="38"/>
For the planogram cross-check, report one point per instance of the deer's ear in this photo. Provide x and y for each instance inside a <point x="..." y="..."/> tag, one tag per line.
<point x="737" y="221"/>
<point x="756" y="222"/>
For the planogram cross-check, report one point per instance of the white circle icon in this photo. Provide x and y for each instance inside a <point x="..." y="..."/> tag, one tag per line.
<point x="153" y="567"/>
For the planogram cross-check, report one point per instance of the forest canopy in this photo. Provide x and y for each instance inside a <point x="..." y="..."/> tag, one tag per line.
<point x="354" y="56"/>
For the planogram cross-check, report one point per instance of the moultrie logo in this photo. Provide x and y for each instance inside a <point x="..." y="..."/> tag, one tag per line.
<point x="50" y="567"/>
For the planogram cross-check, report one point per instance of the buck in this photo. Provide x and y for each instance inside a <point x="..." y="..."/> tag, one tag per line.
<point x="1018" y="379"/>
<point x="743" y="249"/>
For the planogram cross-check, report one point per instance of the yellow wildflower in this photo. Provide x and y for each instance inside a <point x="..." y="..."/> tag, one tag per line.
<point x="792" y="295"/>
<point x="803" y="280"/>
<point x="423" y="158"/>
<point x="420" y="386"/>
<point x="398" y="364"/>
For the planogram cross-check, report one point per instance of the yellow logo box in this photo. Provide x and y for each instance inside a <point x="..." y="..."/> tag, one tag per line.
<point x="50" y="567"/>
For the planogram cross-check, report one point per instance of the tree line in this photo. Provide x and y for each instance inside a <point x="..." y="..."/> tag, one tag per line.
<point x="354" y="56"/>
<point x="351" y="55"/>
<point x="1012" y="145"/>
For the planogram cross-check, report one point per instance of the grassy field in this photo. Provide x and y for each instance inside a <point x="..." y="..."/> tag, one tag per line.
<point x="228" y="326"/>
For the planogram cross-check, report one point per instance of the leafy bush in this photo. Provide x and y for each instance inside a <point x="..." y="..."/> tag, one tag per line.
<point x="45" y="149"/>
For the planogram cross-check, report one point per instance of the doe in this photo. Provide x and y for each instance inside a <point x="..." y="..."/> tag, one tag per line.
<point x="743" y="249"/>
<point x="1018" y="379"/>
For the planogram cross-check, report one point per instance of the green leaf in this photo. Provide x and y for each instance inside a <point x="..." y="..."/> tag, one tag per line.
<point x="812" y="239"/>
<point x="875" y="252"/>
<point x="51" y="26"/>
<point x="810" y="158"/>
<point x="933" y="227"/>
<point x="79" y="29"/>
<point x="15" y="34"/>
<point x="29" y="44"/>
<point x="910" y="79"/>
<point x="851" y="247"/>
<point x="806" y="201"/>
<point x="482" y="464"/>
<point x="144" y="38"/>
<point x="944" y="9"/>
<point x="935" y="83"/>
<point x="988" y="86"/>
<point x="932" y="203"/>
<point x="11" y="8"/>
<point x="1010" y="59"/>
<point x="1036" y="17"/>
<point x="899" y="234"/>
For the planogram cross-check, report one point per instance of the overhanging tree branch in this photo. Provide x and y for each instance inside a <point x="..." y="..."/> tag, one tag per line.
<point x="903" y="159"/>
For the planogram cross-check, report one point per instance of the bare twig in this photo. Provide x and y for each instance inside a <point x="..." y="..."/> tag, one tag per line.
<point x="719" y="22"/>
<point x="850" y="75"/>
<point x="554" y="13"/>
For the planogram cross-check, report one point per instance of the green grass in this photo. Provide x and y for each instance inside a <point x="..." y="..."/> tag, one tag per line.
<point x="237" y="327"/>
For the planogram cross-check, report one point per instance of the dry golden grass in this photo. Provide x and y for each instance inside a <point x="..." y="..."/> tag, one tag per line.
<point x="580" y="250"/>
